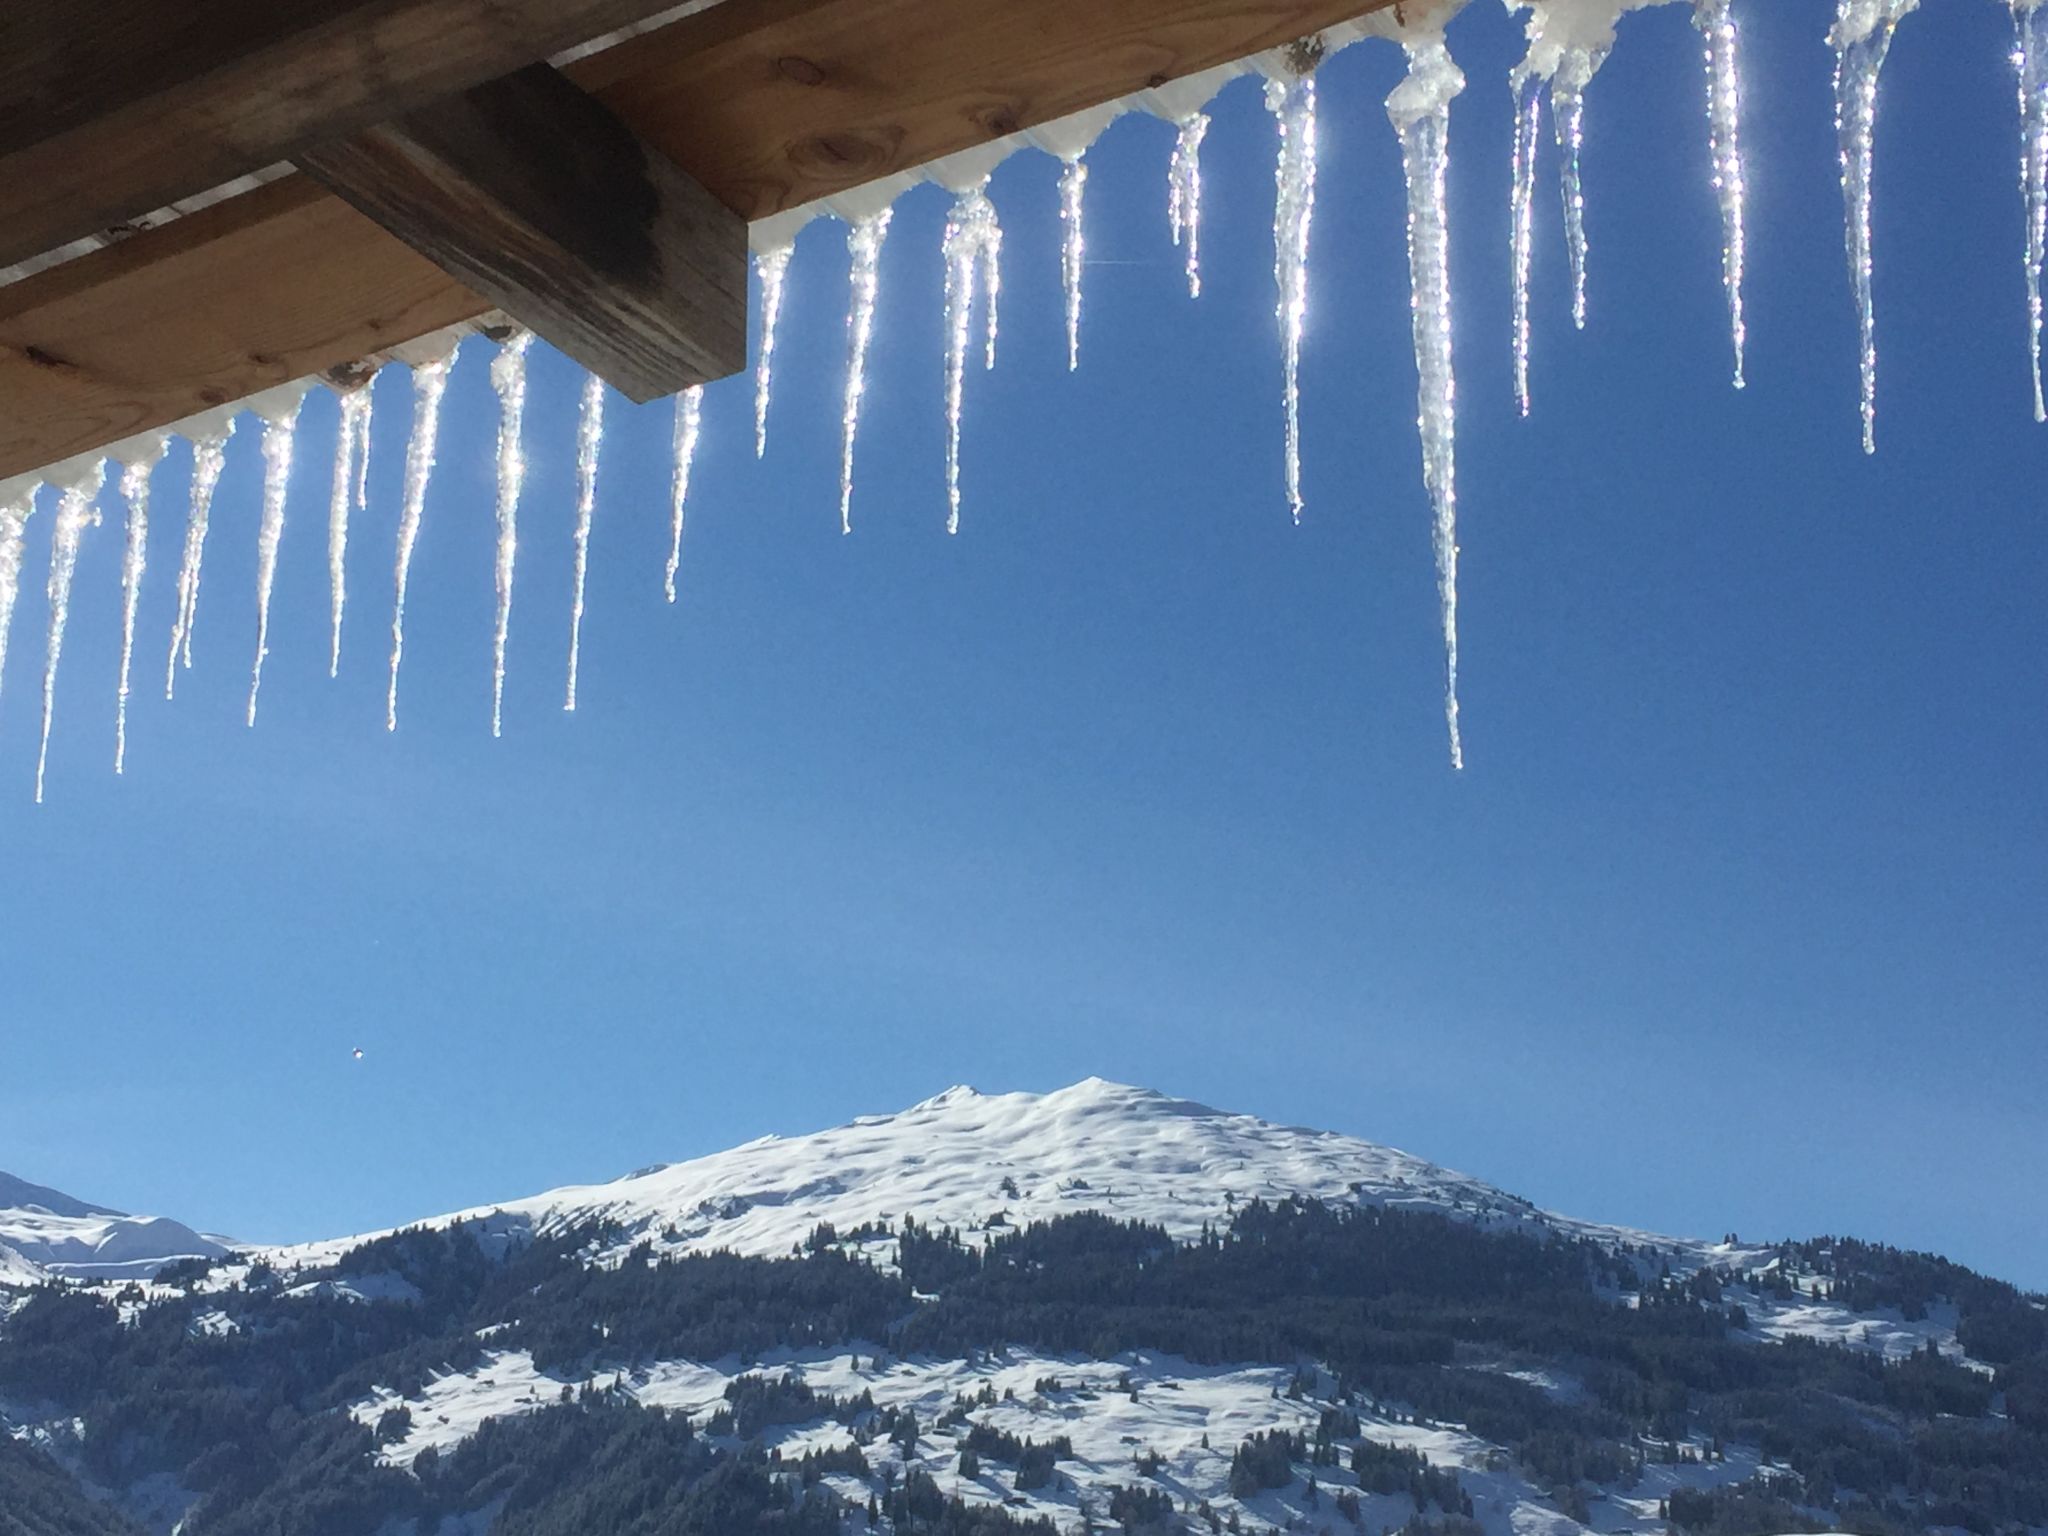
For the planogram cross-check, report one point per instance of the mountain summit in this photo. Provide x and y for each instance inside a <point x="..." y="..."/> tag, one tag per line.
<point x="45" y="1232"/>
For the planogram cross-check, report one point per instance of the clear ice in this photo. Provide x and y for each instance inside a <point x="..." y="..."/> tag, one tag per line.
<point x="1861" y="37"/>
<point x="1073" y="248"/>
<point x="508" y="378"/>
<point x="135" y="477"/>
<point x="864" y="284"/>
<point x="209" y="458"/>
<point x="14" y="516"/>
<point x="683" y="446"/>
<point x="773" y="266"/>
<point x="278" y="433"/>
<point x="589" y="436"/>
<point x="1724" y="117"/>
<point x="973" y="249"/>
<point x="1420" y="109"/>
<point x="1528" y="91"/>
<point x="2030" y="62"/>
<point x="1293" y="105"/>
<point x="1184" y="194"/>
<point x="77" y="510"/>
<point x="1575" y="72"/>
<point x="351" y="458"/>
<point x="429" y="384"/>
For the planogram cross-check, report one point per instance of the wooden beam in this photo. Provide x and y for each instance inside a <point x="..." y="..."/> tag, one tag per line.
<point x="111" y="109"/>
<point x="533" y="194"/>
<point x="767" y="103"/>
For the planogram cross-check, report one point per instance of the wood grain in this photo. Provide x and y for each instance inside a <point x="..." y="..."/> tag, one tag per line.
<point x="767" y="103"/>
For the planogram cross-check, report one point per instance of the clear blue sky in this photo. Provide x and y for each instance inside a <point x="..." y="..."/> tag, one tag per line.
<point x="1738" y="918"/>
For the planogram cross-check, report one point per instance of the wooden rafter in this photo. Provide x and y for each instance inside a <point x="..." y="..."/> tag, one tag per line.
<point x="768" y="103"/>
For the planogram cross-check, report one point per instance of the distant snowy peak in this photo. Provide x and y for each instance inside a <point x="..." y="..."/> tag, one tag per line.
<point x="46" y="1232"/>
<point x="981" y="1162"/>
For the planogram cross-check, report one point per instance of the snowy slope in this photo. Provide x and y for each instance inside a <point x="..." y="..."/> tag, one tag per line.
<point x="965" y="1157"/>
<point x="47" y="1232"/>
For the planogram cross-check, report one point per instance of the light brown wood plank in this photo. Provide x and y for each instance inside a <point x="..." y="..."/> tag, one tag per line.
<point x="110" y="109"/>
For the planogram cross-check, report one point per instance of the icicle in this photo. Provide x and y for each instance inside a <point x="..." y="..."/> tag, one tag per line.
<point x="689" y="418"/>
<point x="773" y="265"/>
<point x="589" y="434"/>
<point x="2030" y="60"/>
<point x="1420" y="108"/>
<point x="864" y="280"/>
<point x="209" y="457"/>
<point x="508" y="378"/>
<point x="973" y="246"/>
<point x="278" y="433"/>
<point x="1528" y="90"/>
<point x="1293" y="104"/>
<point x="1073" y="183"/>
<point x="1861" y="37"/>
<point x="1184" y="195"/>
<point x="363" y="441"/>
<point x="351" y="449"/>
<point x="429" y="383"/>
<point x="76" y="511"/>
<point x="1724" y="101"/>
<point x="135" y="477"/>
<point x="15" y="509"/>
<point x="1575" y="71"/>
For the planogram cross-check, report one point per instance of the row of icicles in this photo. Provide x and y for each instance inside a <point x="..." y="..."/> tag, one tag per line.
<point x="1569" y="41"/>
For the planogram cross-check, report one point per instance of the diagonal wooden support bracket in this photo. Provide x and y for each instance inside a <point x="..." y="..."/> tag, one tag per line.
<point x="530" y="192"/>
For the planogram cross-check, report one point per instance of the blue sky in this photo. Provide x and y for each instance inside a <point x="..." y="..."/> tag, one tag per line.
<point x="1735" y="920"/>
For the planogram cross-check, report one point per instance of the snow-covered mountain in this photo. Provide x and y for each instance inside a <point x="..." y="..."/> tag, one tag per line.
<point x="47" y="1232"/>
<point x="979" y="1162"/>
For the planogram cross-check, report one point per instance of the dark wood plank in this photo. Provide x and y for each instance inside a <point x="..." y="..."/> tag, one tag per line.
<point x="110" y="109"/>
<point x="536" y="196"/>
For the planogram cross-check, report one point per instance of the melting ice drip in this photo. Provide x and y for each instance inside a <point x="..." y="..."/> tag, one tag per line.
<point x="429" y="384"/>
<point x="2030" y="62"/>
<point x="135" y="477"/>
<point x="973" y="249"/>
<point x="1861" y="37"/>
<point x="1184" y="194"/>
<point x="77" y="510"/>
<point x="1293" y="105"/>
<point x="1724" y="116"/>
<point x="589" y="435"/>
<point x="278" y="432"/>
<point x="1420" y="109"/>
<point x="1528" y="91"/>
<point x="508" y="378"/>
<point x="209" y="457"/>
<point x="683" y="448"/>
<point x="773" y="265"/>
<point x="863" y="286"/>
<point x="1073" y="247"/>
<point x="14" y="516"/>
<point x="351" y="469"/>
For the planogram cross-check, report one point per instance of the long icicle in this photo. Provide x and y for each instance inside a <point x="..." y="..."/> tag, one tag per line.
<point x="1420" y="108"/>
<point x="351" y="448"/>
<point x="589" y="435"/>
<point x="1575" y="71"/>
<point x="209" y="457"/>
<point x="972" y="248"/>
<point x="508" y="378"/>
<point x="773" y="265"/>
<point x="77" y="510"/>
<point x="863" y="286"/>
<point x="1184" y="194"/>
<point x="1293" y="105"/>
<point x="1528" y="92"/>
<point x="14" y="516"/>
<point x="2030" y="62"/>
<point x="1073" y="248"/>
<point x="429" y="384"/>
<point x="278" y="434"/>
<point x="1724" y="118"/>
<point x="1861" y="37"/>
<point x="135" y="478"/>
<point x="689" y="421"/>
